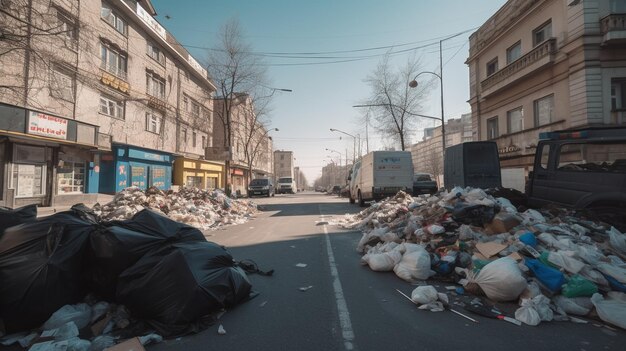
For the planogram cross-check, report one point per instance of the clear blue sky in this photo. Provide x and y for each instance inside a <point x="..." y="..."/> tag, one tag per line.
<point x="323" y="94"/>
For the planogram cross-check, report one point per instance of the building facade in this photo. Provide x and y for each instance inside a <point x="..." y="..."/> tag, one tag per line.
<point x="283" y="164"/>
<point x="250" y="150"/>
<point x="95" y="96"/>
<point x="544" y="65"/>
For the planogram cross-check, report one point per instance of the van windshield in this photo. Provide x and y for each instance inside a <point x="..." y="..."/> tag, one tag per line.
<point x="284" y="180"/>
<point x="259" y="181"/>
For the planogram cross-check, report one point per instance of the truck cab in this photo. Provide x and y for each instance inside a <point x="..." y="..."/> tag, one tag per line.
<point x="286" y="185"/>
<point x="582" y="169"/>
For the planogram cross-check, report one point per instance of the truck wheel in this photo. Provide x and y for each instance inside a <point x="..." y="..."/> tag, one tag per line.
<point x="351" y="198"/>
<point x="361" y="202"/>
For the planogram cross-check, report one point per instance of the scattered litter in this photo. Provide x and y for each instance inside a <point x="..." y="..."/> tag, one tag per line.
<point x="305" y="288"/>
<point x="221" y="330"/>
<point x="549" y="260"/>
<point x="301" y="265"/>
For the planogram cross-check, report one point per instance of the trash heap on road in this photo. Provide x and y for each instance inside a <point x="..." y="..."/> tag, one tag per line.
<point x="71" y="281"/>
<point x="555" y="264"/>
<point x="204" y="209"/>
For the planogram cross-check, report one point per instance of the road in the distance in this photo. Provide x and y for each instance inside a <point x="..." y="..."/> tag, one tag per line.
<point x="349" y="306"/>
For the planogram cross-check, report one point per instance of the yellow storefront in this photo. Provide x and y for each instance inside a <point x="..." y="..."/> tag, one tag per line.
<point x="198" y="173"/>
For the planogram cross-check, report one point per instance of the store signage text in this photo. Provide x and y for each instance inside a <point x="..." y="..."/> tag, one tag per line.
<point x="46" y="125"/>
<point x="114" y="82"/>
<point x="151" y="22"/>
<point x="508" y="149"/>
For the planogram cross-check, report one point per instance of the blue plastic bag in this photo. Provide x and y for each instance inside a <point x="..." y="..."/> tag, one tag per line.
<point x="529" y="239"/>
<point x="551" y="278"/>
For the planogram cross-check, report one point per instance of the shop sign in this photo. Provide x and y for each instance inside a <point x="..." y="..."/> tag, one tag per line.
<point x="114" y="82"/>
<point x="143" y="155"/>
<point x="237" y="172"/>
<point x="151" y="22"/>
<point x="508" y="149"/>
<point x="46" y="125"/>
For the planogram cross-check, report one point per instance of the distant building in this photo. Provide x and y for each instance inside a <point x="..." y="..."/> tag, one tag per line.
<point x="283" y="164"/>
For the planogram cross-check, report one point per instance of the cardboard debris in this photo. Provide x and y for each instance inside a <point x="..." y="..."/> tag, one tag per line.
<point x="129" y="345"/>
<point x="490" y="249"/>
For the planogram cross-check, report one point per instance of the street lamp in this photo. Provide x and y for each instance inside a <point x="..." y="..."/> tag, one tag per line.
<point x="354" y="144"/>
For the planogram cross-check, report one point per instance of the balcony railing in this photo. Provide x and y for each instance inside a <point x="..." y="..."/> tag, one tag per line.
<point x="542" y="50"/>
<point x="613" y="22"/>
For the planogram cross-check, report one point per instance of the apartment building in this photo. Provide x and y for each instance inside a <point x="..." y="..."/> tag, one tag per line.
<point x="544" y="65"/>
<point x="95" y="96"/>
<point x="251" y="146"/>
<point x="283" y="164"/>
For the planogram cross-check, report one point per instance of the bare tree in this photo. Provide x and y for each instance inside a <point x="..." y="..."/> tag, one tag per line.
<point x="434" y="163"/>
<point x="393" y="103"/>
<point x="235" y="69"/>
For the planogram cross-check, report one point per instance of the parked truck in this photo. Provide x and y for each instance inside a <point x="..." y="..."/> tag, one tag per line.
<point x="474" y="164"/>
<point x="380" y="174"/>
<point x="582" y="169"/>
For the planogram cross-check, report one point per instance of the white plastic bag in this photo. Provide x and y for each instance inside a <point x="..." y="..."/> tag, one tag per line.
<point x="414" y="265"/>
<point x="617" y="240"/>
<point x="80" y="314"/>
<point x="612" y="309"/>
<point x="565" y="260"/>
<point x="501" y="280"/>
<point x="542" y="304"/>
<point x="382" y="262"/>
<point x="424" y="295"/>
<point x="616" y="272"/>
<point x="527" y="314"/>
<point x="579" y="306"/>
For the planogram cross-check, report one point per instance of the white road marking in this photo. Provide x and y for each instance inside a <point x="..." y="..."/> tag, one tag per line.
<point x="342" y="306"/>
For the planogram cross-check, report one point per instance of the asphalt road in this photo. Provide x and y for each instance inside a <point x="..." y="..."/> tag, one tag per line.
<point x="350" y="307"/>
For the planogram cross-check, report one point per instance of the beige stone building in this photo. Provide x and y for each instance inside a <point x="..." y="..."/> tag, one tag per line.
<point x="544" y="65"/>
<point x="96" y="96"/>
<point x="251" y="146"/>
<point x="283" y="164"/>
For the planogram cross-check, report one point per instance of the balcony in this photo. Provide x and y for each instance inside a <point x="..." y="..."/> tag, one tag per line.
<point x="156" y="103"/>
<point x="539" y="57"/>
<point x="613" y="28"/>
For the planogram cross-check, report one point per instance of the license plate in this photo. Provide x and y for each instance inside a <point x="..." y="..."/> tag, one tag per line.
<point x="257" y="193"/>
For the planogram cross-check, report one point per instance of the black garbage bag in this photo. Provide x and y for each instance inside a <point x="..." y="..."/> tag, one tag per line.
<point x="117" y="245"/>
<point x="40" y="268"/>
<point x="177" y="288"/>
<point x="10" y="217"/>
<point x="476" y="215"/>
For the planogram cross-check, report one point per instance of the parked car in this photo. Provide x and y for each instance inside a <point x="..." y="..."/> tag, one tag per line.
<point x="319" y="189"/>
<point x="261" y="187"/>
<point x="345" y="191"/>
<point x="423" y="184"/>
<point x="582" y="169"/>
<point x="335" y="190"/>
<point x="286" y="185"/>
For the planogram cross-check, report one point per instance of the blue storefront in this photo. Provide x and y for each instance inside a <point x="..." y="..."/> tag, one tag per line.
<point x="130" y="166"/>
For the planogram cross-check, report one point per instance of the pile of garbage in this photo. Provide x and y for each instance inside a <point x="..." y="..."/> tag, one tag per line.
<point x="201" y="208"/>
<point x="71" y="279"/>
<point x="555" y="264"/>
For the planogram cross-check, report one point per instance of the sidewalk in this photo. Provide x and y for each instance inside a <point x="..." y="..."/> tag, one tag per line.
<point x="50" y="210"/>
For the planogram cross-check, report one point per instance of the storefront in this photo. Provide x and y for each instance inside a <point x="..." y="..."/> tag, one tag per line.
<point x="128" y="166"/>
<point x="44" y="158"/>
<point x="198" y="173"/>
<point x="238" y="181"/>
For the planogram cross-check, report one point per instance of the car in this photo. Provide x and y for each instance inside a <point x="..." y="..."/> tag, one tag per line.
<point x="319" y="189"/>
<point x="423" y="184"/>
<point x="335" y="190"/>
<point x="261" y="187"/>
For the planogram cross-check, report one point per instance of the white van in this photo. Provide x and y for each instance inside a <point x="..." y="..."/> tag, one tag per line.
<point x="381" y="174"/>
<point x="286" y="185"/>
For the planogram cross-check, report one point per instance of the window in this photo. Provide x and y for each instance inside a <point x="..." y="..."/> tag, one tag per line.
<point x="618" y="94"/>
<point x="593" y="157"/>
<point x="113" y="60"/>
<point x="515" y="119"/>
<point x="185" y="103"/>
<point x="193" y="139"/>
<point x="514" y="52"/>
<point x="543" y="33"/>
<point x="204" y="142"/>
<point x="67" y="28"/>
<point x="112" y="18"/>
<point x="111" y="107"/>
<point x="492" y="128"/>
<point x="62" y="83"/>
<point x="492" y="67"/>
<point x="70" y="177"/>
<point x="617" y="6"/>
<point x="206" y="114"/>
<point x="153" y="122"/>
<point x="195" y="109"/>
<point x="28" y="171"/>
<point x="544" y="108"/>
<point x="184" y="135"/>
<point x="155" y="85"/>
<point x="156" y="53"/>
<point x="545" y="155"/>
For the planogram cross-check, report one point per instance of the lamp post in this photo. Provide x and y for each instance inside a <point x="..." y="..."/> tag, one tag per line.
<point x="354" y="144"/>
